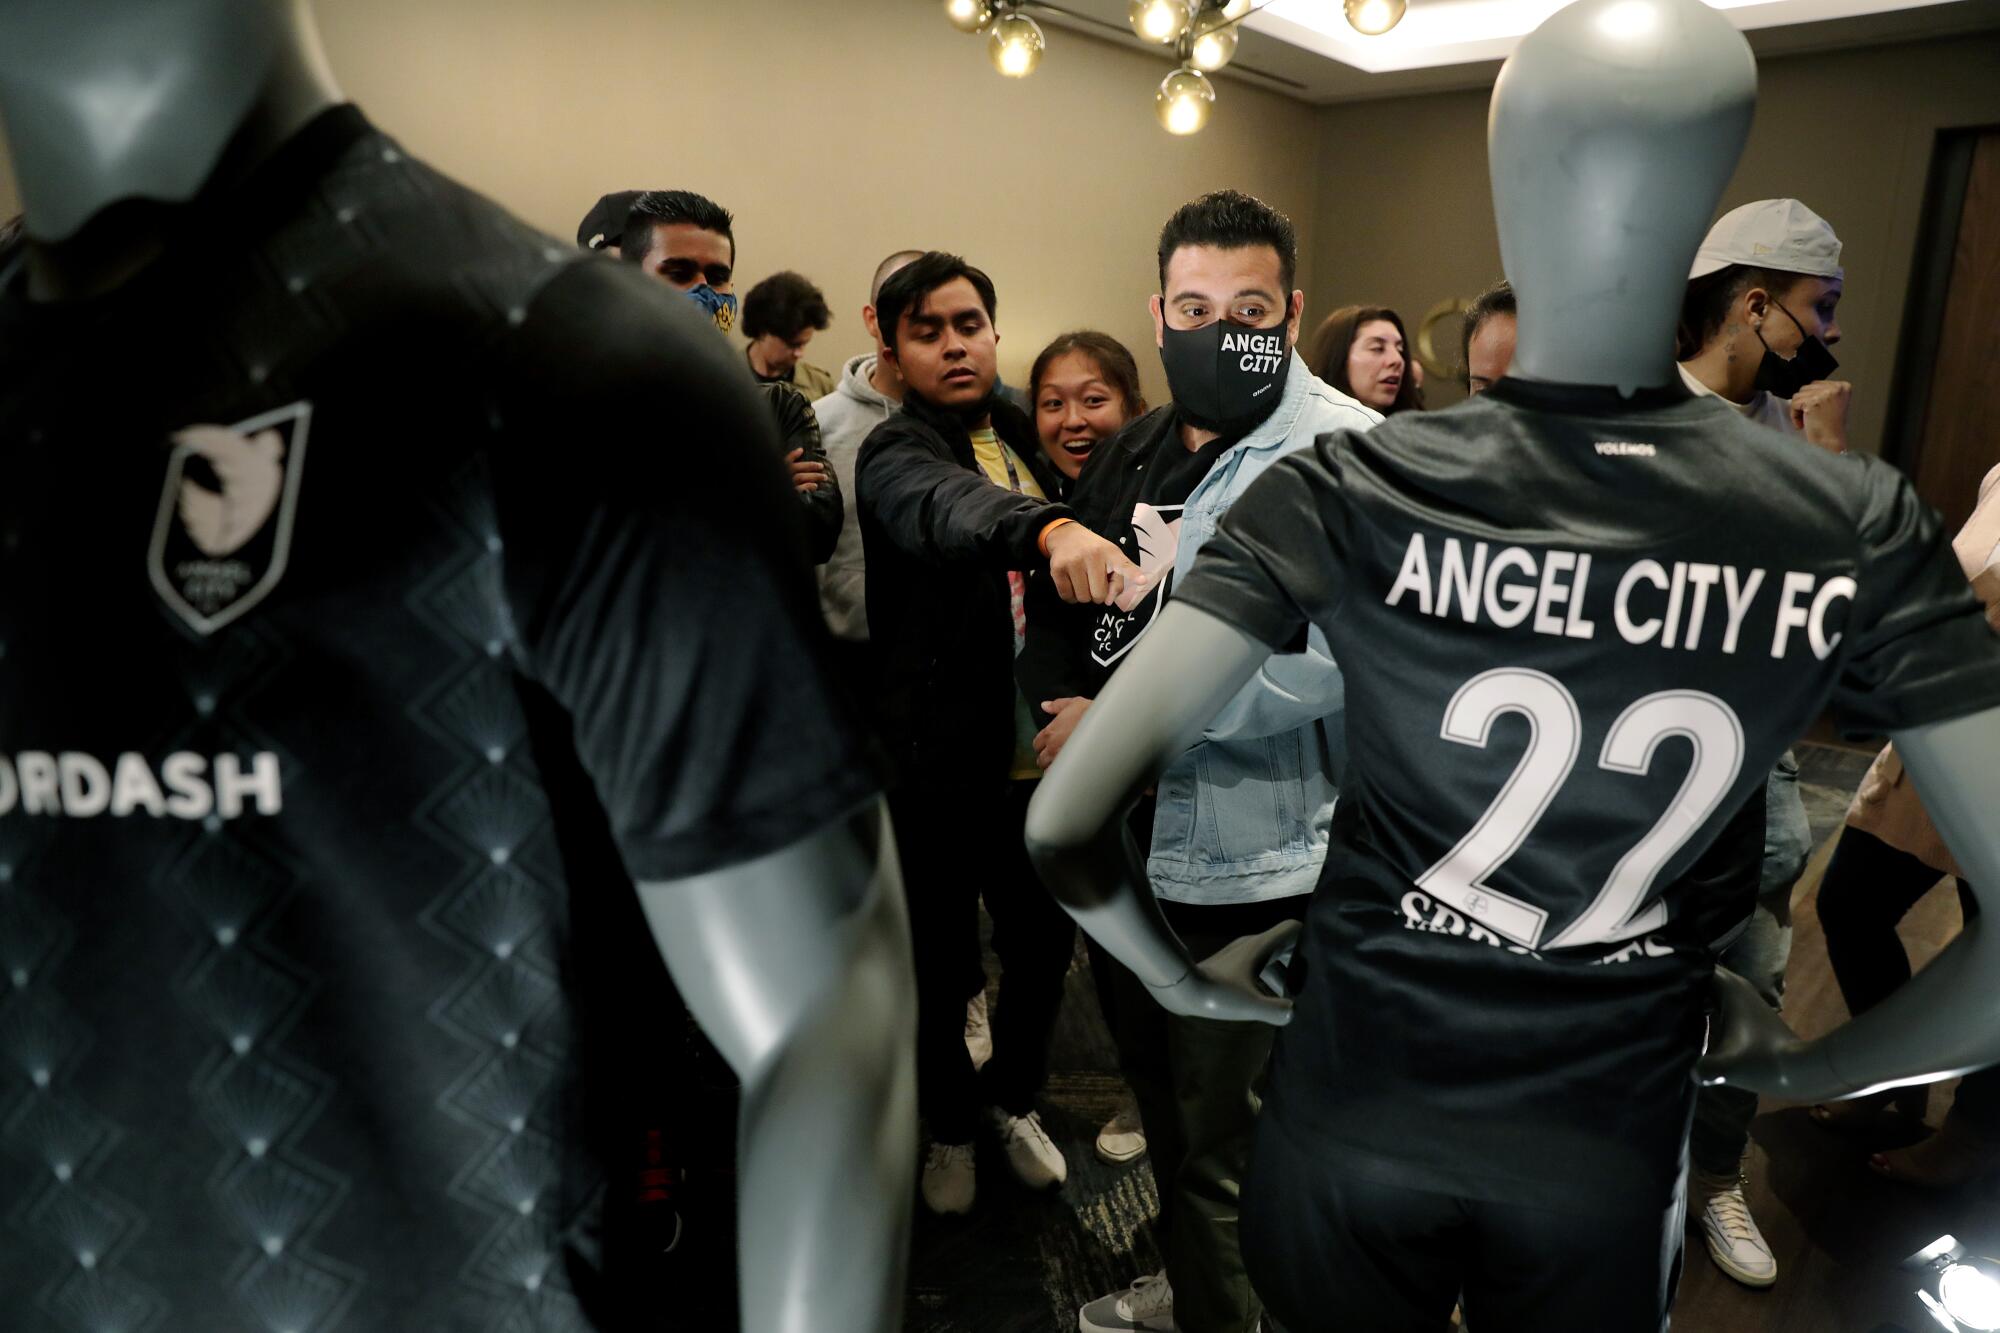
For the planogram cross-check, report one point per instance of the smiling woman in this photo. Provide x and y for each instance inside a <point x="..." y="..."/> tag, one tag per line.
<point x="1084" y="386"/>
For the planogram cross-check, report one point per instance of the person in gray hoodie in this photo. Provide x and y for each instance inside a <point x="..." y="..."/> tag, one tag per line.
<point x="869" y="392"/>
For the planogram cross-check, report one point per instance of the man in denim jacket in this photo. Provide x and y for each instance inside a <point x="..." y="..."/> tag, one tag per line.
<point x="1239" y="826"/>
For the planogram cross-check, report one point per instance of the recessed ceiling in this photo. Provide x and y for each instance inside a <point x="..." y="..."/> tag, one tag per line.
<point x="1305" y="48"/>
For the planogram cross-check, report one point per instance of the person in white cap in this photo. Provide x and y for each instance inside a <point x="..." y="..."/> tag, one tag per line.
<point x="1759" y="317"/>
<point x="1754" y="329"/>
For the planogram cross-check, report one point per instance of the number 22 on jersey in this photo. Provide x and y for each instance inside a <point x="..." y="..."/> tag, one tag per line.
<point x="1555" y="726"/>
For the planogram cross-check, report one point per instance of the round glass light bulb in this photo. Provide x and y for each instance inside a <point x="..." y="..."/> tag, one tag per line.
<point x="1016" y="45"/>
<point x="1212" y="41"/>
<point x="1372" y="18"/>
<point x="1971" y="1296"/>
<point x="1236" y="9"/>
<point x="1184" y="101"/>
<point x="968" y="15"/>
<point x="1160" y="21"/>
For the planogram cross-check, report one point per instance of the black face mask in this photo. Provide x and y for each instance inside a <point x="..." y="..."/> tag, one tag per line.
<point x="1226" y="377"/>
<point x="1812" y="362"/>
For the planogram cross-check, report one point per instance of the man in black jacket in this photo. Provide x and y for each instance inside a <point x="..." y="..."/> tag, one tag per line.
<point x="954" y="506"/>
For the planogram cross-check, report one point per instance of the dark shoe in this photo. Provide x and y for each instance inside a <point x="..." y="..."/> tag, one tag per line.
<point x="1952" y="1157"/>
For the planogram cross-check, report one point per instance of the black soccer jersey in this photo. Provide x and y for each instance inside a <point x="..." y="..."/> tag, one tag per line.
<point x="1576" y="634"/>
<point x="365" y="565"/>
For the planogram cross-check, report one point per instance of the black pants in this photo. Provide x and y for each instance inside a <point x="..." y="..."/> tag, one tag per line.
<point x="1199" y="1083"/>
<point x="1868" y="888"/>
<point x="1333" y="1254"/>
<point x="959" y="842"/>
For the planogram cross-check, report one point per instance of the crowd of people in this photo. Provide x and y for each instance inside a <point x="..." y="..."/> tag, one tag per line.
<point x="987" y="558"/>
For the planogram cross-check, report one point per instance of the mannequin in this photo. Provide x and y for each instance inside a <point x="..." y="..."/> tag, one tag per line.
<point x="127" y="119"/>
<point x="1613" y="130"/>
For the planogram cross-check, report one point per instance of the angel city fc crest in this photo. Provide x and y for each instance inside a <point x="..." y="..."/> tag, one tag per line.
<point x="226" y="513"/>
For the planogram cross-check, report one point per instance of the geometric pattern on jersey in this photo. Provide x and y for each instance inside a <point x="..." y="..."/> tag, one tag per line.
<point x="230" y="887"/>
<point x="258" y="1098"/>
<point x="493" y="816"/>
<point x="79" y="1218"/>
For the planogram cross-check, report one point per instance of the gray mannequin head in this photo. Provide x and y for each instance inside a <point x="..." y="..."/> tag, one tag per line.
<point x="107" y="100"/>
<point x="1614" y="128"/>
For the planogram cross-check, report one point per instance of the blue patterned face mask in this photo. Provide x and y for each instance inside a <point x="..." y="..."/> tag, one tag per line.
<point x="718" y="306"/>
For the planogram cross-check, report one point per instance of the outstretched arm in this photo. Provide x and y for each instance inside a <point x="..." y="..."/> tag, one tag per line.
<point x="1946" y="1020"/>
<point x="1182" y="672"/>
<point x="797" y="966"/>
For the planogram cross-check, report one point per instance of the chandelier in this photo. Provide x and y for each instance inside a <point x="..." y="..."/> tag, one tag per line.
<point x="1201" y="33"/>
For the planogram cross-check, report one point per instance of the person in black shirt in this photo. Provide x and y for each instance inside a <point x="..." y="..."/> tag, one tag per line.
<point x="1242" y="820"/>
<point x="955" y="505"/>
<point x="1578" y="622"/>
<point x="394" y="618"/>
<point x="686" y="241"/>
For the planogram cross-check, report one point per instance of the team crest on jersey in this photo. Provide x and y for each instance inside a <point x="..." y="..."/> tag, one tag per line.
<point x="224" y="529"/>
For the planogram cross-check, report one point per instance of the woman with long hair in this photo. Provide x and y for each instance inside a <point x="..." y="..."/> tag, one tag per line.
<point x="1362" y="351"/>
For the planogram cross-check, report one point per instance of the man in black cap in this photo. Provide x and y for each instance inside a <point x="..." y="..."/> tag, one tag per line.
<point x="603" y="227"/>
<point x="647" y="214"/>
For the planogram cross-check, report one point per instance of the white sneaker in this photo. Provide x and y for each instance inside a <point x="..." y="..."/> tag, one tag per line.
<point x="978" y="1031"/>
<point x="1734" y="1242"/>
<point x="1030" y="1151"/>
<point x="1123" y="1138"/>
<point x="949" y="1179"/>
<point x="1147" y="1304"/>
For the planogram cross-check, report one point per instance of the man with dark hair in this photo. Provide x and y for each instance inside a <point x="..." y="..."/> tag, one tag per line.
<point x="1239" y="824"/>
<point x="685" y="240"/>
<point x="780" y="316"/>
<point x="688" y="240"/>
<point x="953" y="492"/>
<point x="1488" y="348"/>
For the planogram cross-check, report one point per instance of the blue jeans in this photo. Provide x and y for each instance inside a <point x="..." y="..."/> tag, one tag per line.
<point x="1722" y="1116"/>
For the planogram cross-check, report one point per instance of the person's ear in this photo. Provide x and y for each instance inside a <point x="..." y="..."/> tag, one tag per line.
<point x="889" y="358"/>
<point x="1159" y="308"/>
<point x="1294" y="322"/>
<point x="1756" y="305"/>
<point x="868" y="322"/>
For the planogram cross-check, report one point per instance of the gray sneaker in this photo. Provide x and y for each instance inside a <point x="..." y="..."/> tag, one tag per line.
<point x="1734" y="1242"/>
<point x="1147" y="1306"/>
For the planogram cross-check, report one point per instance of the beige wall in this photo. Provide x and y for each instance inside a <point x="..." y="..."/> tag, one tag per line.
<point x="1405" y="211"/>
<point x="834" y="142"/>
<point x="835" y="133"/>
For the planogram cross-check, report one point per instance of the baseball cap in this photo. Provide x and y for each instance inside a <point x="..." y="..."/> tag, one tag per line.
<point x="604" y="224"/>
<point x="1781" y="234"/>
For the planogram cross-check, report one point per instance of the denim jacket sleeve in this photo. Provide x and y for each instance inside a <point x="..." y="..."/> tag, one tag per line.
<point x="1290" y="691"/>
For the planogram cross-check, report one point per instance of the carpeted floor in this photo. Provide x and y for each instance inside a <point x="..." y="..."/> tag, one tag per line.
<point x="1023" y="1264"/>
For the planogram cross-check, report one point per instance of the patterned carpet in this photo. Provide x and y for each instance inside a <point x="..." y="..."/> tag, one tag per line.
<point x="1023" y="1264"/>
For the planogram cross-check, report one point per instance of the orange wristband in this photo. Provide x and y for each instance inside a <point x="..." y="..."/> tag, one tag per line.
<point x="1042" y="542"/>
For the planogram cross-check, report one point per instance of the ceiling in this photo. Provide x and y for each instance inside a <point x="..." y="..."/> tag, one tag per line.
<point x="1304" y="48"/>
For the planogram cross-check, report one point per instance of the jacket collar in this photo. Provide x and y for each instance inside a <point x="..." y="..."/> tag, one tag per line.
<point x="1010" y="423"/>
<point x="1275" y="429"/>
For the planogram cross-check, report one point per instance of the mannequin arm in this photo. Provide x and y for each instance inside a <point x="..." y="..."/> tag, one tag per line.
<point x="797" y="965"/>
<point x="1181" y="673"/>
<point x="1946" y="1020"/>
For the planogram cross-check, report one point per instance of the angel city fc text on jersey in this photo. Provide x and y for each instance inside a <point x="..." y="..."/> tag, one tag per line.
<point x="1667" y="604"/>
